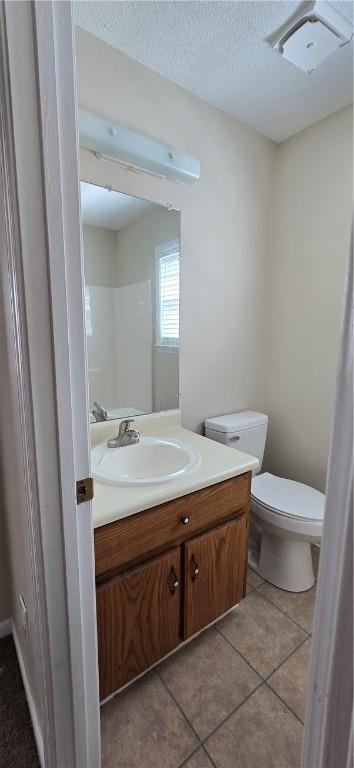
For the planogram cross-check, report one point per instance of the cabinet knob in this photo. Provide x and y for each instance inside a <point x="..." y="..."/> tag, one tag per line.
<point x="174" y="581"/>
<point x="185" y="520"/>
<point x="195" y="568"/>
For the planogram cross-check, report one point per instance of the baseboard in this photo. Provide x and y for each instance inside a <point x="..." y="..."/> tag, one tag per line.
<point x="5" y="628"/>
<point x="31" y="705"/>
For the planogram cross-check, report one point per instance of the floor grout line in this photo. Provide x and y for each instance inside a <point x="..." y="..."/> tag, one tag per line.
<point x="203" y="741"/>
<point x="286" y="659"/>
<point x="179" y="707"/>
<point x="284" y="702"/>
<point x="251" y="665"/>
<point x="255" y="586"/>
<point x="240" y="654"/>
<point x="185" y="761"/>
<point x="209" y="756"/>
<point x="261" y="682"/>
<point x="202" y="747"/>
<point x="279" y="609"/>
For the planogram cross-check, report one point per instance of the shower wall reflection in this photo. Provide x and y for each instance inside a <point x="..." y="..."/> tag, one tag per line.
<point x="131" y="263"/>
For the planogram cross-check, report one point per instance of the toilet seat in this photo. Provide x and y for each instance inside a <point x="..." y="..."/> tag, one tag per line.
<point x="288" y="499"/>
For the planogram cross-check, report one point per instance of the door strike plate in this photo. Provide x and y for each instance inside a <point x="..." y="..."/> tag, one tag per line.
<point x="84" y="490"/>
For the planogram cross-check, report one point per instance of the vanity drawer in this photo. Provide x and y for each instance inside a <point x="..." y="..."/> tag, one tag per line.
<point x="125" y="542"/>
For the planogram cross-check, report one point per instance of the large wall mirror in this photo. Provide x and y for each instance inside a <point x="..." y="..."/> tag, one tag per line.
<point x="132" y="286"/>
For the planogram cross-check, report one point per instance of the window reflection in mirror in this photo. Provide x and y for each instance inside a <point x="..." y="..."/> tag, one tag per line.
<point x="132" y="293"/>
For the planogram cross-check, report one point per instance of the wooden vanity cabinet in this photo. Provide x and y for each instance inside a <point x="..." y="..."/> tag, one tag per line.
<point x="165" y="574"/>
<point x="214" y="574"/>
<point x="138" y="616"/>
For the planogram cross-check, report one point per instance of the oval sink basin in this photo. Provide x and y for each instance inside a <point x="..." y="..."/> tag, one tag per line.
<point x="152" y="460"/>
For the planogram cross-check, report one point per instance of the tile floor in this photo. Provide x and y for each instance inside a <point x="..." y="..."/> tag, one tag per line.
<point x="233" y="698"/>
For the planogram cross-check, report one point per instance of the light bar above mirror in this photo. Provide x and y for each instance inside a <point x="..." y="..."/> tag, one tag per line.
<point x="133" y="151"/>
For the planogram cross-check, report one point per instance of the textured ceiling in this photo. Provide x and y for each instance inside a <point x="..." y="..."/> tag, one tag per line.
<point x="101" y="207"/>
<point x="218" y="51"/>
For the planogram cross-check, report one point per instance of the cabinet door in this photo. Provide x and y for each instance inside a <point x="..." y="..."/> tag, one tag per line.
<point x="138" y="620"/>
<point x="215" y="573"/>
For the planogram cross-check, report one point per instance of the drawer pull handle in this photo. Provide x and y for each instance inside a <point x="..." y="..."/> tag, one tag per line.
<point x="185" y="520"/>
<point x="195" y="568"/>
<point x="174" y="581"/>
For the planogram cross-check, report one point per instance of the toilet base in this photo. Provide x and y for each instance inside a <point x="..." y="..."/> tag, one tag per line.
<point x="284" y="562"/>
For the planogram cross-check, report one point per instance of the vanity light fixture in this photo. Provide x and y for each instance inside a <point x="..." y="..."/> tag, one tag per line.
<point x="312" y="36"/>
<point x="131" y="167"/>
<point x="134" y="152"/>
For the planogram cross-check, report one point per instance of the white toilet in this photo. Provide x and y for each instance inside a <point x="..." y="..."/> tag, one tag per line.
<point x="287" y="517"/>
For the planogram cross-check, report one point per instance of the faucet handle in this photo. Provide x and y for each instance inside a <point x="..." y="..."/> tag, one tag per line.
<point x="99" y="411"/>
<point x="125" y="435"/>
<point x="124" y="425"/>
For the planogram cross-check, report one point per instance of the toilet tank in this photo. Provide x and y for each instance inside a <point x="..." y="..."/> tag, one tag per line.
<point x="245" y="430"/>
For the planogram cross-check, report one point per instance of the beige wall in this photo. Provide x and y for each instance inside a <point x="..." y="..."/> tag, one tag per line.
<point x="225" y="219"/>
<point x="137" y="241"/>
<point x="264" y="236"/>
<point x="100" y="265"/>
<point x="313" y="201"/>
<point x="99" y="256"/>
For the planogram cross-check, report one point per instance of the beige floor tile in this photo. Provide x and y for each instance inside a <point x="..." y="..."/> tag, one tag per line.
<point x="291" y="679"/>
<point x="253" y="579"/>
<point x="261" y="633"/>
<point x="297" y="605"/>
<point x="200" y="759"/>
<point x="208" y="679"/>
<point x="262" y="733"/>
<point x="143" y="728"/>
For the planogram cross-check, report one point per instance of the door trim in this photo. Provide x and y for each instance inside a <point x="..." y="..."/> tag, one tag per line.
<point x="44" y="274"/>
<point x="12" y="275"/>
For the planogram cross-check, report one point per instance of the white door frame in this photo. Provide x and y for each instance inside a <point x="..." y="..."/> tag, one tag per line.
<point x="46" y="281"/>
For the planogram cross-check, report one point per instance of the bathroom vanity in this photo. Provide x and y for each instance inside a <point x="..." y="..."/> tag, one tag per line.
<point x="166" y="572"/>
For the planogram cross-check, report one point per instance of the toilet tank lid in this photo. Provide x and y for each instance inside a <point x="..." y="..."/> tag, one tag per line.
<point x="236" y="422"/>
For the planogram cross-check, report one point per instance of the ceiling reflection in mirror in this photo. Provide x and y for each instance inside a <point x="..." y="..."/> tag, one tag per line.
<point x="132" y="292"/>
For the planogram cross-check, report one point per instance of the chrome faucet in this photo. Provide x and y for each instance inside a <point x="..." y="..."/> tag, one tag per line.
<point x="99" y="412"/>
<point x="126" y="436"/>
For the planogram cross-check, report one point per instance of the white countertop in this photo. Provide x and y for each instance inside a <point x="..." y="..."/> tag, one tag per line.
<point x="218" y="463"/>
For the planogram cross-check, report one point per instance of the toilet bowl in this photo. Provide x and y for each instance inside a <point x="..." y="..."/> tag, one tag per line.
<point x="287" y="516"/>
